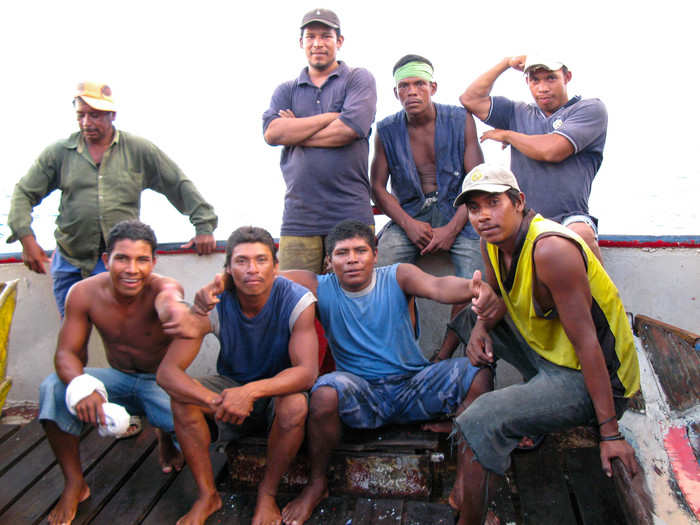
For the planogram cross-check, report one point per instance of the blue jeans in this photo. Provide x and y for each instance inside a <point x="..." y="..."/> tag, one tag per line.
<point x="434" y="391"/>
<point x="395" y="246"/>
<point x="138" y="393"/>
<point x="65" y="275"/>
<point x="552" y="399"/>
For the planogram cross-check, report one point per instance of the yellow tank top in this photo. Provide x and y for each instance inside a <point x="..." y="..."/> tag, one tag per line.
<point x="546" y="335"/>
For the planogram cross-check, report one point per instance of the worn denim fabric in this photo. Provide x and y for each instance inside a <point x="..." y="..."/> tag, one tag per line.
<point x="553" y="399"/>
<point x="138" y="393"/>
<point x="436" y="390"/>
<point x="395" y="246"/>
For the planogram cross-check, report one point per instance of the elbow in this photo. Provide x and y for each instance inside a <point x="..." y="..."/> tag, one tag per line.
<point x="163" y="378"/>
<point x="553" y="156"/>
<point x="273" y="139"/>
<point x="466" y="100"/>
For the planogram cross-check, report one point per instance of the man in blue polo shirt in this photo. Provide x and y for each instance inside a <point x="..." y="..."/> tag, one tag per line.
<point x="323" y="119"/>
<point x="557" y="143"/>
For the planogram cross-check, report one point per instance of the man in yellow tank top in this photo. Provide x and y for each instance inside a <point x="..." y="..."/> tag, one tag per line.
<point x="567" y="333"/>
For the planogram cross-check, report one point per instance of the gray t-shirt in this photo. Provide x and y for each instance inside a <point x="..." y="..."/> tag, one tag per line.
<point x="327" y="185"/>
<point x="556" y="189"/>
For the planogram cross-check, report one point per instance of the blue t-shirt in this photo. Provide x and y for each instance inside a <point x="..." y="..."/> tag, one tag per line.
<point x="556" y="189"/>
<point x="258" y="347"/>
<point x="370" y="332"/>
<point x="327" y="185"/>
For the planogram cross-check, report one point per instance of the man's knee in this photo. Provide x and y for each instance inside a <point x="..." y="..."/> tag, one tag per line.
<point x="291" y="411"/>
<point x="324" y="403"/>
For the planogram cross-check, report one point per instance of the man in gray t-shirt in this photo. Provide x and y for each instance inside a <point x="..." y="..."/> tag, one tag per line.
<point x="557" y="143"/>
<point x="323" y="119"/>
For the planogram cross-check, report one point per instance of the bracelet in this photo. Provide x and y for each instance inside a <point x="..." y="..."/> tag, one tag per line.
<point x="607" y="420"/>
<point x="615" y="437"/>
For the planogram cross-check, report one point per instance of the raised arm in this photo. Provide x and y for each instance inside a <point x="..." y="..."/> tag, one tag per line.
<point x="476" y="98"/>
<point x="560" y="267"/>
<point x="419" y="232"/>
<point x="177" y="317"/>
<point x="549" y="147"/>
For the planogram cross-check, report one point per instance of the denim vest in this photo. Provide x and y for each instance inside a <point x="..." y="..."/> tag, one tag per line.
<point x="449" y="160"/>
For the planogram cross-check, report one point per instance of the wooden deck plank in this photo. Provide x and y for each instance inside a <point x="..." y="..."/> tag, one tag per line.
<point x="19" y="443"/>
<point x="544" y="495"/>
<point x="180" y="495"/>
<point x="107" y="476"/>
<point x="594" y="492"/>
<point x="386" y="511"/>
<point x="6" y="431"/>
<point x="21" y="475"/>
<point x="421" y="513"/>
<point x="334" y="510"/>
<point x="42" y="496"/>
<point x="141" y="491"/>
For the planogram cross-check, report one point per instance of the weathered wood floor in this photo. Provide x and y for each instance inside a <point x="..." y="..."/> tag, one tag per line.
<point x="561" y="483"/>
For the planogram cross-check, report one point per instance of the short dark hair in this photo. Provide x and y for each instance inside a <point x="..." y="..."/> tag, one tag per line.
<point x="349" y="229"/>
<point x="514" y="196"/>
<point x="337" y="30"/>
<point x="249" y="234"/>
<point x="133" y="230"/>
<point x="410" y="58"/>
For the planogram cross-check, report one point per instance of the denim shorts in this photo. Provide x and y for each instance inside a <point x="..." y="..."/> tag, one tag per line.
<point x="65" y="275"/>
<point x="586" y="219"/>
<point x="138" y="393"/>
<point x="434" y="391"/>
<point x="395" y="246"/>
<point x="553" y="399"/>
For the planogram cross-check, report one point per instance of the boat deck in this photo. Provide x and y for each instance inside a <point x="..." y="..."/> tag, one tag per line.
<point x="560" y="483"/>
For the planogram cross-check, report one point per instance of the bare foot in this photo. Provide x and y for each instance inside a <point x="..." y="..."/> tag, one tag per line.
<point x="266" y="510"/>
<point x="169" y="456"/>
<point x="297" y="511"/>
<point x="204" y="507"/>
<point x="438" y="426"/>
<point x="67" y="506"/>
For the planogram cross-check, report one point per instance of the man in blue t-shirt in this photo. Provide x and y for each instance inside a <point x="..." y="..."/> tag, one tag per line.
<point x="557" y="143"/>
<point x="382" y="377"/>
<point x="269" y="350"/>
<point x="323" y="118"/>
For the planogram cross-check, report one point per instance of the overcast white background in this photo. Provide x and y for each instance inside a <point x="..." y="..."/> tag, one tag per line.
<point x="195" y="77"/>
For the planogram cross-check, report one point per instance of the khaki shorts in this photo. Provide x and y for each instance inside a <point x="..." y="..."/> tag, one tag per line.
<point x="304" y="253"/>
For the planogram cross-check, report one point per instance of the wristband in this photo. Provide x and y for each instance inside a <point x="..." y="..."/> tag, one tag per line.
<point x="607" y="420"/>
<point x="614" y="437"/>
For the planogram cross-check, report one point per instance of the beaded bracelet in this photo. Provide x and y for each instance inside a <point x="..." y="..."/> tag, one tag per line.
<point x="607" y="420"/>
<point x="615" y="437"/>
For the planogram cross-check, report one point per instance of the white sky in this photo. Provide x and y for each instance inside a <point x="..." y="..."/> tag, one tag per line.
<point x="195" y="77"/>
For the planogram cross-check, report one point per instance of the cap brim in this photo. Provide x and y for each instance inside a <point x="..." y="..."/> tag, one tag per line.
<point x="98" y="104"/>
<point x="488" y="188"/>
<point x="324" y="22"/>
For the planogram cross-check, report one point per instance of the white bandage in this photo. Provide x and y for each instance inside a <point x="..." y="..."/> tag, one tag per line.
<point x="81" y="387"/>
<point x="116" y="420"/>
<point x="116" y="416"/>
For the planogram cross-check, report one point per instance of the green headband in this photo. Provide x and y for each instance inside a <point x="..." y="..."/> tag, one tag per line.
<point x="414" y="69"/>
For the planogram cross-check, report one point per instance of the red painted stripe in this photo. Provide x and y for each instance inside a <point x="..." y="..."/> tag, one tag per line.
<point x="685" y="466"/>
<point x="648" y="244"/>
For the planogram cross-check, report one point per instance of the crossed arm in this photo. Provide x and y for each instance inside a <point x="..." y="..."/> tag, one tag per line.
<point x="325" y="130"/>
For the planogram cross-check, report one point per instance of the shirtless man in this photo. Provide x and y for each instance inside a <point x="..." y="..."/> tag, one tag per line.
<point x="367" y="315"/>
<point x="268" y="360"/>
<point x="424" y="183"/>
<point x="575" y="344"/>
<point x="134" y="311"/>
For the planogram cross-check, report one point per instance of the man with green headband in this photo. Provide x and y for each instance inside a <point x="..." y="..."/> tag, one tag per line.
<point x="425" y="180"/>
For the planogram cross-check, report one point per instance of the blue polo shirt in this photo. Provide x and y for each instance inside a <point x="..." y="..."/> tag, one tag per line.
<point x="556" y="189"/>
<point x="327" y="185"/>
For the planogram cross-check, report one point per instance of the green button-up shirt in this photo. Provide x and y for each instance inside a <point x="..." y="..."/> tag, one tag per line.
<point x="95" y="198"/>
